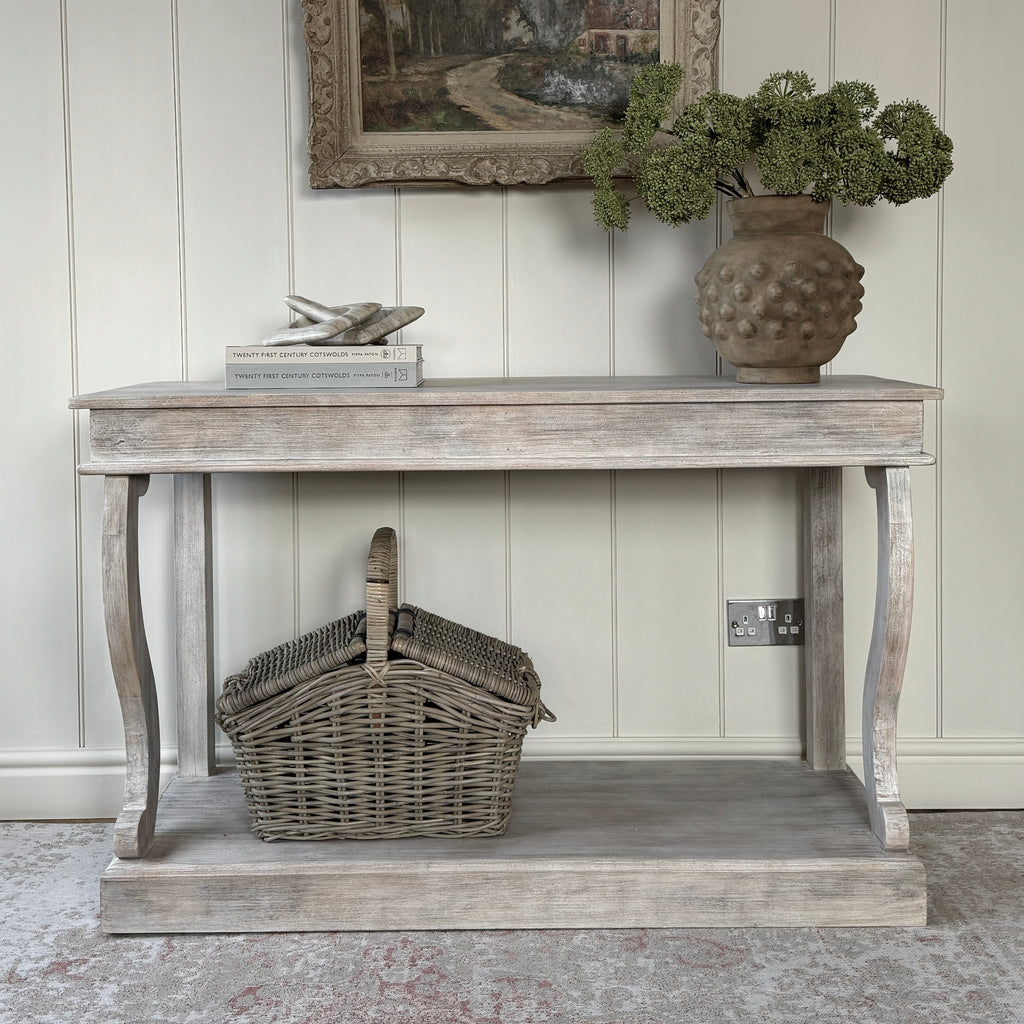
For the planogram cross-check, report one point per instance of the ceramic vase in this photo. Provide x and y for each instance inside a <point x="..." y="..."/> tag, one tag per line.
<point x="780" y="297"/>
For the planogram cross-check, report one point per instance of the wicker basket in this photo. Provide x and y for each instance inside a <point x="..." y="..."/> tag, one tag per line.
<point x="391" y="723"/>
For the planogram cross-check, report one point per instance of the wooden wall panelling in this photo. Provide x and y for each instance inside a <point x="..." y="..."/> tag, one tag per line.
<point x="897" y="335"/>
<point x="452" y="263"/>
<point x="255" y="589"/>
<point x="38" y="606"/>
<point x="234" y="160"/>
<point x="667" y="619"/>
<point x="558" y="284"/>
<point x="455" y="548"/>
<point x="983" y="363"/>
<point x="344" y="249"/>
<point x="561" y="561"/>
<point x="234" y="156"/>
<point x="337" y="516"/>
<point x="761" y="557"/>
<point x="759" y="39"/>
<point x="344" y="241"/>
<point x="124" y="204"/>
<point x="655" y="313"/>
<point x="761" y="512"/>
<point x="558" y="317"/>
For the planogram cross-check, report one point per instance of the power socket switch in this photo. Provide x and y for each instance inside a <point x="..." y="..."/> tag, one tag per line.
<point x="773" y="622"/>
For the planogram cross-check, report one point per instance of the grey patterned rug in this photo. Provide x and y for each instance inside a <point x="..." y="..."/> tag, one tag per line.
<point x="965" y="966"/>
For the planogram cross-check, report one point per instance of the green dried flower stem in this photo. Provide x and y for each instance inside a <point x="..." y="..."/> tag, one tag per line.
<point x="825" y="144"/>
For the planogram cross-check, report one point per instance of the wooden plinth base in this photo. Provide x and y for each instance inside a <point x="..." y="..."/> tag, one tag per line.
<point x="598" y="844"/>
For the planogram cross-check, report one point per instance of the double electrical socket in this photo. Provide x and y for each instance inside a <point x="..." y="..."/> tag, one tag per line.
<point x="774" y="622"/>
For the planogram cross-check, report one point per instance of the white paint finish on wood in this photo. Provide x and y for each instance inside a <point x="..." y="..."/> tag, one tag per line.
<point x="344" y="242"/>
<point x="254" y="576"/>
<point x="124" y="209"/>
<point x="613" y="844"/>
<point x="667" y="632"/>
<point x="897" y="329"/>
<point x="455" y="548"/>
<point x="983" y="474"/>
<point x="329" y="263"/>
<point x="38" y="596"/>
<point x="130" y="662"/>
<point x="824" y="696"/>
<point x="555" y="250"/>
<point x="337" y="516"/>
<point x="453" y="264"/>
<point x="561" y="576"/>
<point x="981" y="697"/>
<point x="900" y="303"/>
<point x="761" y="521"/>
<point x="887" y="657"/>
<point x="234" y="179"/>
<point x="124" y="190"/>
<point x="193" y="612"/>
<point x="655" y="312"/>
<point x="875" y="41"/>
<point x="760" y="38"/>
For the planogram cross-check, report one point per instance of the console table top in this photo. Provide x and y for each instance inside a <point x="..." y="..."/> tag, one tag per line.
<point x="514" y="391"/>
<point x="507" y="423"/>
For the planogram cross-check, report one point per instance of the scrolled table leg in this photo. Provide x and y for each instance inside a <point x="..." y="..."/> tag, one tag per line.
<point x="131" y="665"/>
<point x="887" y="656"/>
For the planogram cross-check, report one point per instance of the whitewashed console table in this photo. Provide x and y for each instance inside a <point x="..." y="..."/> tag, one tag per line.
<point x="602" y="844"/>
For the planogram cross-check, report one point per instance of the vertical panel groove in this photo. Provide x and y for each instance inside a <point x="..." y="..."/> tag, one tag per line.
<point x="179" y="180"/>
<point x="611" y="303"/>
<point x="507" y="480"/>
<point x="505" y="364"/>
<point x="614" y="598"/>
<point x="723" y="36"/>
<point x="939" y="345"/>
<point x="402" y="559"/>
<point x="289" y="211"/>
<point x="720" y="593"/>
<point x="505" y="358"/>
<point x="832" y="34"/>
<point x="719" y="213"/>
<point x="76" y="428"/>
<point x="296" y="558"/>
<point x="289" y="220"/>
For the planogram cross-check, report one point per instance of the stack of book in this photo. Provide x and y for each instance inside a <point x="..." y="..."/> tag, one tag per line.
<point x="302" y="367"/>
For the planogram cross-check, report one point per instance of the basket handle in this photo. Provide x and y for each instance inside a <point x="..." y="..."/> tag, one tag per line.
<point x="381" y="593"/>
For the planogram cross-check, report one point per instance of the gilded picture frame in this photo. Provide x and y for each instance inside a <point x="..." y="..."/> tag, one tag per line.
<point x="345" y="152"/>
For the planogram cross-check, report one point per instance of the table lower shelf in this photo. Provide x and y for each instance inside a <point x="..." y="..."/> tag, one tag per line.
<point x="591" y="844"/>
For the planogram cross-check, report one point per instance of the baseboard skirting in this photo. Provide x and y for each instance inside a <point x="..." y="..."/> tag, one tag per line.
<point x="935" y="774"/>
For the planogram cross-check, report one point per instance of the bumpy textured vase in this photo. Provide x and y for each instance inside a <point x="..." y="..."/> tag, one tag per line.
<point x="779" y="298"/>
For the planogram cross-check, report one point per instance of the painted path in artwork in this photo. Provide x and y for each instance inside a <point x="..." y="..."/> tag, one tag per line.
<point x="475" y="88"/>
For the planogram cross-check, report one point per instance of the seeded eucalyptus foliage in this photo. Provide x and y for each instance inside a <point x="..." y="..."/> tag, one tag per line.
<point x="831" y="145"/>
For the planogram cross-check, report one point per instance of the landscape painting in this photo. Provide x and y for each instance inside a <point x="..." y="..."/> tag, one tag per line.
<point x="484" y="92"/>
<point x="501" y="65"/>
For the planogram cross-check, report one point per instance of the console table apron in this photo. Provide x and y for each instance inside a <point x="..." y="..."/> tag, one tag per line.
<point x="603" y="844"/>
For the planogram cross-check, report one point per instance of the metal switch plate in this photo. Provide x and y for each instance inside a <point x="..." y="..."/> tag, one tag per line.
<point x="772" y="622"/>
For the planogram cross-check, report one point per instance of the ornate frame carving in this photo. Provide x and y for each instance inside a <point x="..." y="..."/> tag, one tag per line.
<point x="343" y="156"/>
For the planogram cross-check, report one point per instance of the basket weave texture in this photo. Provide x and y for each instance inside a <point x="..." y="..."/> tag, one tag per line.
<point x="390" y="723"/>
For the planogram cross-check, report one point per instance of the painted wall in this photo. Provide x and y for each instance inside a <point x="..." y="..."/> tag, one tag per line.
<point x="154" y="209"/>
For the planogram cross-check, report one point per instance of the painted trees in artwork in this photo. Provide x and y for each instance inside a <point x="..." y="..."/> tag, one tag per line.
<point x="420" y="28"/>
